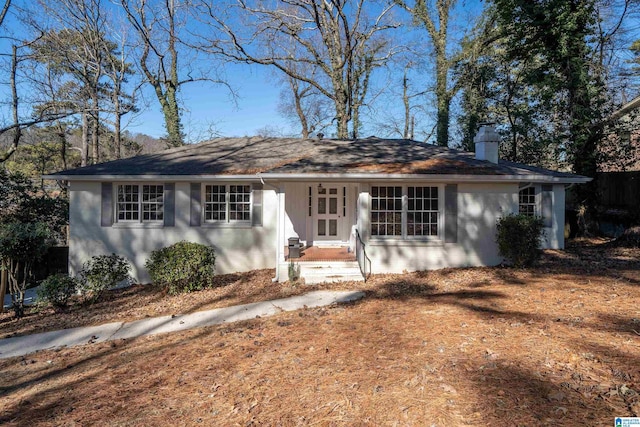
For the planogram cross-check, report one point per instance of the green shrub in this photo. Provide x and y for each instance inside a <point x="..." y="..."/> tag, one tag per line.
<point x="182" y="267"/>
<point x="103" y="272"/>
<point x="519" y="237"/>
<point x="57" y="289"/>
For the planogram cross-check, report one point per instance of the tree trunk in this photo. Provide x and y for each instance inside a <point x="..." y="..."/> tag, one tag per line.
<point x="407" y="107"/>
<point x="3" y="283"/>
<point x="96" y="129"/>
<point x="304" y="124"/>
<point x="84" y="155"/>
<point x="355" y="124"/>
<point x="342" y="125"/>
<point x="443" y="99"/>
<point x="171" y="112"/>
<point x="117" y="136"/>
<point x="342" y="115"/>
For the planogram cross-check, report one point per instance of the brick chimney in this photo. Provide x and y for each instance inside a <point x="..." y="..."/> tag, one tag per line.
<point x="487" y="142"/>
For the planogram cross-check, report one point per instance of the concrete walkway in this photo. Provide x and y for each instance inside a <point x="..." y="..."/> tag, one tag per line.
<point x="19" y="346"/>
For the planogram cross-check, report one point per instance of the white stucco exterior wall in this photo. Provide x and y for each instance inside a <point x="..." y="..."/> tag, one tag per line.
<point x="296" y="211"/>
<point x="247" y="248"/>
<point x="479" y="207"/>
<point x="237" y="249"/>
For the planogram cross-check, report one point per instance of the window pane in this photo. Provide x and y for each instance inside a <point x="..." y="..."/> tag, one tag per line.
<point x="333" y="205"/>
<point x="215" y="208"/>
<point x="386" y="211"/>
<point x="152" y="202"/>
<point x="527" y="201"/>
<point x="127" y="203"/>
<point x="423" y="211"/>
<point x="322" y="205"/>
<point x="322" y="227"/>
<point x="333" y="227"/>
<point x="239" y="202"/>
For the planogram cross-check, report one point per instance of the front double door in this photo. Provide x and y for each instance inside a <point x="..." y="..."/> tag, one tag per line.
<point x="329" y="212"/>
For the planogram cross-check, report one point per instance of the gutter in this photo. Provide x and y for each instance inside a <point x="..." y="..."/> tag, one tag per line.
<point x="363" y="177"/>
<point x="147" y="177"/>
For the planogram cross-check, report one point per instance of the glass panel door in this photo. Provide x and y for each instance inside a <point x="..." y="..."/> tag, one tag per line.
<point x="328" y="211"/>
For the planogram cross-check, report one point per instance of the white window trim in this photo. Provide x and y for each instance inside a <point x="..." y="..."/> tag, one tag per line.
<point x="227" y="223"/>
<point x="435" y="240"/>
<point x="140" y="222"/>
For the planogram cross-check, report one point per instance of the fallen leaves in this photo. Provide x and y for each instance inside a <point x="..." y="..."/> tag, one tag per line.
<point x="454" y="347"/>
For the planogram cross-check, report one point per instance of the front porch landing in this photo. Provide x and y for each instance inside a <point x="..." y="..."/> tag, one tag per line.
<point x="325" y="264"/>
<point x="315" y="253"/>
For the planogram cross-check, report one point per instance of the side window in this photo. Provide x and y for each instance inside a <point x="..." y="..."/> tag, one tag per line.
<point x="408" y="212"/>
<point x="152" y="203"/>
<point x="527" y="201"/>
<point x="386" y="211"/>
<point x="128" y="203"/>
<point x="227" y="203"/>
<point x="422" y="214"/>
<point x="215" y="203"/>
<point x="140" y="203"/>
<point x="239" y="203"/>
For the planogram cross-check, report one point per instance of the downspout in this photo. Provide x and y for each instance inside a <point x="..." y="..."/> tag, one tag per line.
<point x="278" y="231"/>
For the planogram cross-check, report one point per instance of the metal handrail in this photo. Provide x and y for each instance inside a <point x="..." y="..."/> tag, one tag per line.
<point x="361" y="257"/>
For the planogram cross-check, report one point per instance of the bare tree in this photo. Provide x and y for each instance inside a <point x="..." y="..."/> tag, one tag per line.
<point x="19" y="124"/>
<point x="5" y="9"/>
<point x="303" y="104"/>
<point x="330" y="45"/>
<point x="434" y="16"/>
<point x="41" y="115"/>
<point x="74" y="44"/>
<point x="118" y="70"/>
<point x="157" y="25"/>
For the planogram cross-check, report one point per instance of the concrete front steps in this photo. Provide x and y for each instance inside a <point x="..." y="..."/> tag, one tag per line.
<point x="330" y="271"/>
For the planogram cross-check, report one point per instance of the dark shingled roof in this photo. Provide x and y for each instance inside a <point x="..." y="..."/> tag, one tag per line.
<point x="242" y="156"/>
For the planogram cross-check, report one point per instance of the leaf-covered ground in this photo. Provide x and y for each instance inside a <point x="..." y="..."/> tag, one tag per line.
<point x="555" y="345"/>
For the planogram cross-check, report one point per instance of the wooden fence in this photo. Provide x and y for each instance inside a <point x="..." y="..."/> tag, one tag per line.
<point x="620" y="190"/>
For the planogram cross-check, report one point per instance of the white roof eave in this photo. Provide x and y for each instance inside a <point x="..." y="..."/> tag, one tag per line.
<point x="377" y="177"/>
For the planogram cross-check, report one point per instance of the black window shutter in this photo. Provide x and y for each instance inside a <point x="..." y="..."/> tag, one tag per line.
<point x="451" y="213"/>
<point x="256" y="209"/>
<point x="195" y="205"/>
<point x="106" y="208"/>
<point x="546" y="205"/>
<point x="169" y="204"/>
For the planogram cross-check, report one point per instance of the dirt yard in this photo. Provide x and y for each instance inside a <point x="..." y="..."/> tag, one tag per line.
<point x="556" y="345"/>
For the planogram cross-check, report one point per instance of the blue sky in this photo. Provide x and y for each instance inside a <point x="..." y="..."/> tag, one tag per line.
<point x="256" y="106"/>
<point x="209" y="105"/>
<point x="209" y="111"/>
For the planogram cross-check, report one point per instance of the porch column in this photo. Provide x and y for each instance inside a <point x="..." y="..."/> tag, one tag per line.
<point x="281" y="225"/>
<point x="363" y="211"/>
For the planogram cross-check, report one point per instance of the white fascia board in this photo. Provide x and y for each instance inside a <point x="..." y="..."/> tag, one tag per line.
<point x="452" y="178"/>
<point x="341" y="177"/>
<point x="169" y="178"/>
